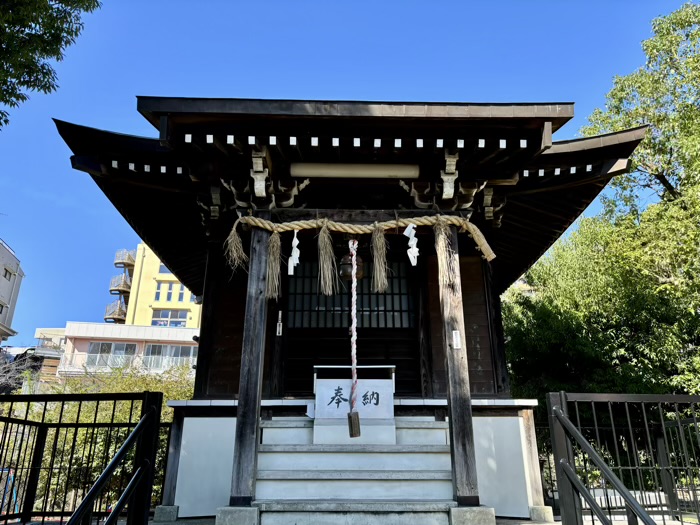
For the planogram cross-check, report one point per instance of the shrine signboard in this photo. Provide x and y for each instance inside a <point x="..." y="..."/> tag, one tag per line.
<point x="375" y="398"/>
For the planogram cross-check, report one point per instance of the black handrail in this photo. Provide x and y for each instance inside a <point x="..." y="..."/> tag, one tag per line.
<point x="617" y="484"/>
<point x="581" y="489"/>
<point x="126" y="496"/>
<point x="91" y="496"/>
<point x="137" y="493"/>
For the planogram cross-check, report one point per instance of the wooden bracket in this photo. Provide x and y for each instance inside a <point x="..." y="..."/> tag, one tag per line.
<point x="449" y="176"/>
<point x="259" y="173"/>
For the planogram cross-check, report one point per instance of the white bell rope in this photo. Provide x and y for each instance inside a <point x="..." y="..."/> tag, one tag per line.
<point x="353" y="326"/>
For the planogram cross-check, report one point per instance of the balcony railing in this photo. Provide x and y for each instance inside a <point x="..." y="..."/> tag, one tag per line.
<point x="78" y="363"/>
<point x="120" y="284"/>
<point x="116" y="312"/>
<point x="125" y="258"/>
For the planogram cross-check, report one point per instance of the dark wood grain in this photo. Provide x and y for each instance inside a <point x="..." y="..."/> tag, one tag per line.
<point x="173" y="463"/>
<point x="212" y="279"/>
<point x="245" y="456"/>
<point x="464" y="483"/>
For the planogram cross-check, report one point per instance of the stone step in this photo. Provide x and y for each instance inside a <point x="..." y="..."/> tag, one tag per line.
<point x="309" y="475"/>
<point x="352" y="488"/>
<point x="354" y="457"/>
<point x="357" y="449"/>
<point x="404" y="423"/>
<point x="354" y="518"/>
<point x="286" y="423"/>
<point x="341" y="505"/>
<point x="308" y="423"/>
<point x="371" y="512"/>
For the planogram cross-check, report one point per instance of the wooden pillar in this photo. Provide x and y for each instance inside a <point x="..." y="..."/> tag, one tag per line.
<point x="464" y="482"/>
<point x="245" y="455"/>
<point x="212" y="282"/>
<point x="173" y="461"/>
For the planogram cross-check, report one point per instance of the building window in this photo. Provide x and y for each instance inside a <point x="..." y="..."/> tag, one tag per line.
<point x="169" y="297"/>
<point x="191" y="297"/>
<point x="158" y="286"/>
<point x="173" y="318"/>
<point x="8" y="274"/>
<point x="308" y="308"/>
<point x="181" y="295"/>
<point x="162" y="357"/>
<point x="2" y="307"/>
<point x="110" y="355"/>
<point x="163" y="269"/>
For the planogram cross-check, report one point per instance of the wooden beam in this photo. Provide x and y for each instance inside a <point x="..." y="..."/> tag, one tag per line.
<point x="354" y="216"/>
<point x="173" y="461"/>
<point x="464" y="483"/>
<point x="245" y="454"/>
<point x="164" y="131"/>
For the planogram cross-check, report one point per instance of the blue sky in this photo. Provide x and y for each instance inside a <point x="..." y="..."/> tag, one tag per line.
<point x="66" y="232"/>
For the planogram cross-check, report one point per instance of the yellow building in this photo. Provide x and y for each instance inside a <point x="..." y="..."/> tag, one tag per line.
<point x="148" y="294"/>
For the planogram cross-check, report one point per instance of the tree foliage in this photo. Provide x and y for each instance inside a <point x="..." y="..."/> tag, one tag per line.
<point x="33" y="34"/>
<point x="89" y="448"/>
<point x="176" y="383"/>
<point x="615" y="307"/>
<point x="664" y="94"/>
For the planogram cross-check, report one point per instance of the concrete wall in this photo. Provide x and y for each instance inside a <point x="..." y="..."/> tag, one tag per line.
<point x="142" y="300"/>
<point x="506" y="473"/>
<point x="11" y="276"/>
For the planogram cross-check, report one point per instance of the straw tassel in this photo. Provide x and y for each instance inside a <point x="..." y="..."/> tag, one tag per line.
<point x="327" y="272"/>
<point x="274" y="253"/>
<point x="444" y="252"/>
<point x="380" y="282"/>
<point x="235" y="254"/>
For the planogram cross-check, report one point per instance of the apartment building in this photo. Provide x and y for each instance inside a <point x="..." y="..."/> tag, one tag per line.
<point x="11" y="276"/>
<point x="152" y="324"/>
<point x="148" y="294"/>
<point x="101" y="347"/>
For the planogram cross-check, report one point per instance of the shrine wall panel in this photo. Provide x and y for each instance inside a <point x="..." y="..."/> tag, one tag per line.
<point x="477" y="322"/>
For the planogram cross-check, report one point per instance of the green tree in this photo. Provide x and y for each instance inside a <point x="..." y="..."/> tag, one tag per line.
<point x="175" y="383"/>
<point x="664" y="94"/>
<point x="613" y="307"/>
<point x="87" y="449"/>
<point x="33" y="33"/>
<point x="616" y="304"/>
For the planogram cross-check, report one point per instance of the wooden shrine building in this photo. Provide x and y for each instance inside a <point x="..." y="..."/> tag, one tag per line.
<point x="258" y="435"/>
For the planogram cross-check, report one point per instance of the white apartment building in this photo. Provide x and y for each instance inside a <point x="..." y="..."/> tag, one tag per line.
<point x="101" y="347"/>
<point x="11" y="276"/>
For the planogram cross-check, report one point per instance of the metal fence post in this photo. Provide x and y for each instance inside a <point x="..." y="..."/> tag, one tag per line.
<point x="34" y="473"/>
<point x="145" y="455"/>
<point x="668" y="483"/>
<point x="569" y="502"/>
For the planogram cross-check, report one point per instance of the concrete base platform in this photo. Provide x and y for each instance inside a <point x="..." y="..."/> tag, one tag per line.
<point x="542" y="514"/>
<point x="165" y="513"/>
<point x="237" y="516"/>
<point x="210" y="521"/>
<point x="472" y="516"/>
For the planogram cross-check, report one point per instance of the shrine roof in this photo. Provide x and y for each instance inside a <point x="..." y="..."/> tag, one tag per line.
<point x="193" y="110"/>
<point x="494" y="163"/>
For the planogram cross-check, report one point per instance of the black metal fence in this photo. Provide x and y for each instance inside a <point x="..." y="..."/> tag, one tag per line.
<point x="650" y="443"/>
<point x="548" y="469"/>
<point x="54" y="447"/>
